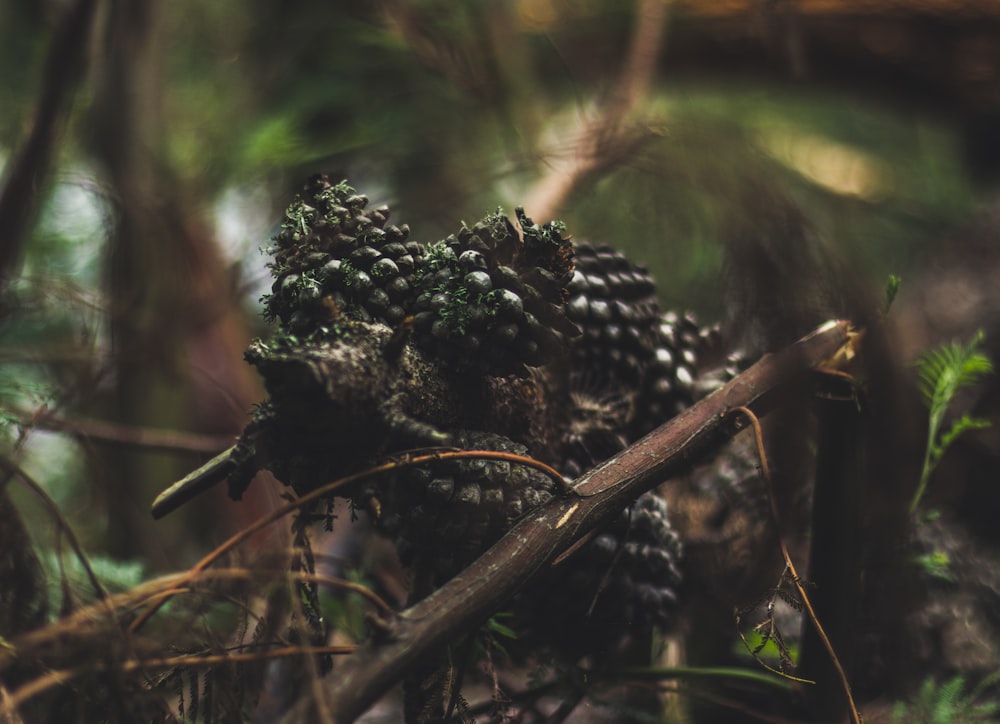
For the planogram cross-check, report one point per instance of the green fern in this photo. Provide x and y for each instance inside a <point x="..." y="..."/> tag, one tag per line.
<point x="942" y="373"/>
<point x="949" y="702"/>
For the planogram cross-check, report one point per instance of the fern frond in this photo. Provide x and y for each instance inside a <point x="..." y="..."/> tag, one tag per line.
<point x="942" y="372"/>
<point x="962" y="424"/>
<point x="948" y="701"/>
<point x="949" y="368"/>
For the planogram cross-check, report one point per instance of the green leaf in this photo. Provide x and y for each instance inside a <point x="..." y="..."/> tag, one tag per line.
<point x="936" y="564"/>
<point x="501" y="630"/>
<point x="963" y="424"/>
<point x="892" y="285"/>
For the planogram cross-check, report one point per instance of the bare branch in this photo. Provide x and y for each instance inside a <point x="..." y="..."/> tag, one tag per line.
<point x="472" y="596"/>
<point x="114" y="433"/>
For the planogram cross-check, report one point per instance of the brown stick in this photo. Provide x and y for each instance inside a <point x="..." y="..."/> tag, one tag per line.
<point x="469" y="598"/>
<point x="113" y="433"/>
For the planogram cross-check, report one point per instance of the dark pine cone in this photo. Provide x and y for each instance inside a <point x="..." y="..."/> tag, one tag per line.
<point x="333" y="256"/>
<point x="621" y="582"/>
<point x="613" y="301"/>
<point x="444" y="515"/>
<point x="490" y="300"/>
<point x="494" y="300"/>
<point x="633" y="366"/>
<point x="487" y="300"/>
<point x="668" y="380"/>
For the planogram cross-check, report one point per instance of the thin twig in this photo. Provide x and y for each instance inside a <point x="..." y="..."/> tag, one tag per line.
<point x="127" y="435"/>
<point x="326" y="490"/>
<point x="84" y="621"/>
<point x="61" y="523"/>
<point x="192" y="661"/>
<point x="52" y="679"/>
<point x="59" y="677"/>
<point x="766" y="474"/>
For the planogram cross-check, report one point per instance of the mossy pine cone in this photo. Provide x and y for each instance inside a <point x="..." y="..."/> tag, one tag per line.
<point x="445" y="514"/>
<point x="335" y="256"/>
<point x="490" y="299"/>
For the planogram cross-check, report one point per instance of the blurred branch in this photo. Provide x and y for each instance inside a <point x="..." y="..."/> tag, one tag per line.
<point x="95" y="622"/>
<point x="469" y="598"/>
<point x="26" y="177"/>
<point x="23" y="605"/>
<point x="63" y="526"/>
<point x="127" y="435"/>
<point x="438" y="51"/>
<point x="600" y="141"/>
<point x="170" y="306"/>
<point x="836" y="546"/>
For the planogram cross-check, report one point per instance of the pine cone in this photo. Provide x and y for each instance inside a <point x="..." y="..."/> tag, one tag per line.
<point x="511" y="334"/>
<point x="447" y="513"/>
<point x="633" y="366"/>
<point x="667" y="385"/>
<point x="622" y="582"/>
<point x="333" y="256"/>
<point x="490" y="300"/>
<point x="614" y="303"/>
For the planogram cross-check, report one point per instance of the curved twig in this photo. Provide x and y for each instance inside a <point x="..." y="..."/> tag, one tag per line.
<point x="52" y="679"/>
<point x="766" y="474"/>
<point x="326" y="490"/>
<point x="62" y="524"/>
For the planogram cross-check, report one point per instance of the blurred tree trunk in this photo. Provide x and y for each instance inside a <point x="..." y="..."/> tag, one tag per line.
<point x="177" y="333"/>
<point x="26" y="178"/>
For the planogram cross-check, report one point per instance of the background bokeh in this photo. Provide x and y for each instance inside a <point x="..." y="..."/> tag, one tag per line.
<point x="149" y="148"/>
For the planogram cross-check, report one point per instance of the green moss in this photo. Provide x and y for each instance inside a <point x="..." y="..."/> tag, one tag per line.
<point x="498" y="225"/>
<point x="437" y="257"/>
<point x="349" y="272"/>
<point x="548" y="234"/>
<point x="297" y="222"/>
<point x="456" y="314"/>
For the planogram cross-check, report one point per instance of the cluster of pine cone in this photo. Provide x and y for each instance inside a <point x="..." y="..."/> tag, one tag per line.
<point x="488" y="300"/>
<point x="514" y="316"/>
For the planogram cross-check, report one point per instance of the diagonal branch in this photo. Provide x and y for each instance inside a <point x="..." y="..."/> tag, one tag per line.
<point x="472" y="596"/>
